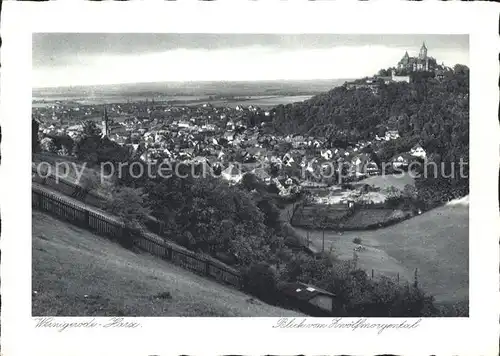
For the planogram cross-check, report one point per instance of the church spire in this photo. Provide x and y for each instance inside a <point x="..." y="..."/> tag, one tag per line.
<point x="105" y="123"/>
<point x="423" y="51"/>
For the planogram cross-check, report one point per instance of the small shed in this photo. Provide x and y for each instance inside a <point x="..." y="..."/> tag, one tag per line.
<point x="309" y="299"/>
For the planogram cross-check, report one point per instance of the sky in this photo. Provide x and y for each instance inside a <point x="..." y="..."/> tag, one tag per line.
<point x="72" y="59"/>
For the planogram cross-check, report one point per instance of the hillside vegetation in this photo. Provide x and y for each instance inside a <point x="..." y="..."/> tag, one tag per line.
<point x="425" y="107"/>
<point x="76" y="273"/>
<point x="433" y="113"/>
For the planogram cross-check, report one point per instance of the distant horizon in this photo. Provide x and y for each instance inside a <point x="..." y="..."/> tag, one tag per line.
<point x="62" y="60"/>
<point x="193" y="82"/>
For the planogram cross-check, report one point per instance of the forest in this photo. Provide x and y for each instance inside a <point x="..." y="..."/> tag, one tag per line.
<point x="428" y="111"/>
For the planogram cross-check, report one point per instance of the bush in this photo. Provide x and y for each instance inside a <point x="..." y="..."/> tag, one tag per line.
<point x="394" y="202"/>
<point x="261" y="280"/>
<point x="454" y="309"/>
<point x="250" y="182"/>
<point x="356" y="294"/>
<point x="131" y="205"/>
<point x="357" y="240"/>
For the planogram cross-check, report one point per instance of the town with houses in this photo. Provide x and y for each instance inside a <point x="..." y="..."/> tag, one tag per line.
<point x="218" y="136"/>
<point x="222" y="138"/>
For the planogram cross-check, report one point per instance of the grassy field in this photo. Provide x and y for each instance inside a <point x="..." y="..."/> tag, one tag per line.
<point x="436" y="242"/>
<point x="76" y="273"/>
<point x="384" y="181"/>
<point x="367" y="218"/>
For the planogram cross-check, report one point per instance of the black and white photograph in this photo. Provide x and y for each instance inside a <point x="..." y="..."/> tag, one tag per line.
<point x="250" y="175"/>
<point x="226" y="178"/>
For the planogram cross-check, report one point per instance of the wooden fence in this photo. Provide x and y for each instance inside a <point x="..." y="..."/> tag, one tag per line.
<point x="149" y="242"/>
<point x="69" y="188"/>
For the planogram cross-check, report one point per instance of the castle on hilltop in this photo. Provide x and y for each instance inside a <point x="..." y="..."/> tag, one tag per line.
<point x="403" y="72"/>
<point x="417" y="64"/>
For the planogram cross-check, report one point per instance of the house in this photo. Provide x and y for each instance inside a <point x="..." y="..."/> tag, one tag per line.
<point x="232" y="174"/>
<point x="309" y="299"/>
<point x="208" y="127"/>
<point x="401" y="161"/>
<point x="230" y="125"/>
<point x="228" y="135"/>
<point x="240" y="123"/>
<point x="326" y="154"/>
<point x="372" y="168"/>
<point x="220" y="155"/>
<point x="288" y="159"/>
<point x="199" y="159"/>
<point x="440" y="75"/>
<point x="391" y="135"/>
<point x="394" y="78"/>
<point x="359" y="162"/>
<point x="184" y="124"/>
<point x="418" y="151"/>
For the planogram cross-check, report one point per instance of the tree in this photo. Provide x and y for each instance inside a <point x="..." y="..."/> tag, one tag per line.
<point x="271" y="213"/>
<point x="461" y="69"/>
<point x="261" y="280"/>
<point x="47" y="145"/>
<point x="86" y="149"/>
<point x="274" y="169"/>
<point x="218" y="217"/>
<point x="384" y="73"/>
<point x="130" y="205"/>
<point x="410" y="191"/>
<point x="35" y="141"/>
<point x="90" y="129"/>
<point x="250" y="182"/>
<point x="64" y="151"/>
<point x="62" y="141"/>
<point x="94" y="150"/>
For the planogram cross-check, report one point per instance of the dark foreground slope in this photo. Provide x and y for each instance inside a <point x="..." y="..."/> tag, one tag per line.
<point x="76" y="273"/>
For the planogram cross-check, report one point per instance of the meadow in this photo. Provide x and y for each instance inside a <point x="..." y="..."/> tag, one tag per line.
<point x="436" y="243"/>
<point x="77" y="273"/>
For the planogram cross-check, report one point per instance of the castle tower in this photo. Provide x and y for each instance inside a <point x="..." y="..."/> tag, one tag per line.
<point x="105" y="123"/>
<point x="404" y="62"/>
<point x="423" y="52"/>
<point x="406" y="58"/>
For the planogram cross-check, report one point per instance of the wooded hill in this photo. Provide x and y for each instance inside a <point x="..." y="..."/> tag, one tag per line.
<point x="430" y="111"/>
<point x="435" y="111"/>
